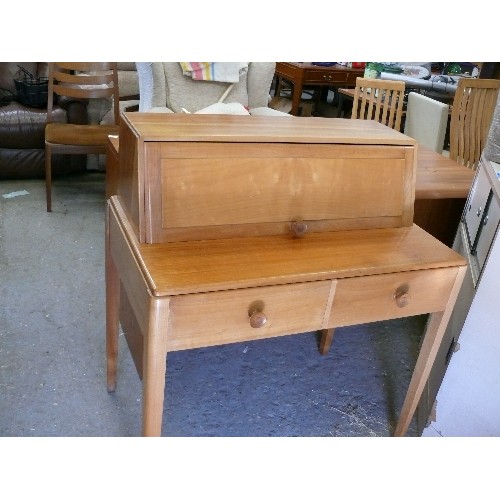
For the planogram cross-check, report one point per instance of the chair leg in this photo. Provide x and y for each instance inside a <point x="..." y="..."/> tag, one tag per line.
<point x="48" y="177"/>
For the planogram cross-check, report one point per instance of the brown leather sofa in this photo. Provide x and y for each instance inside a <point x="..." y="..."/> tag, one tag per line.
<point x="22" y="129"/>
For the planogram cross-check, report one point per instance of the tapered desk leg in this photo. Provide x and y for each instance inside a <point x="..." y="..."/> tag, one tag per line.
<point x="154" y="367"/>
<point x="326" y="340"/>
<point x="433" y="337"/>
<point x="112" y="312"/>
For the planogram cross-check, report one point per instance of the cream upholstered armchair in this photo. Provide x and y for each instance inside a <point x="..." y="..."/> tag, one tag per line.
<point x="165" y="88"/>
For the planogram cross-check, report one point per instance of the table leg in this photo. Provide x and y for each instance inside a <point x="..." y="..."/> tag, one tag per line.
<point x="154" y="367"/>
<point x="340" y="104"/>
<point x="296" y="97"/>
<point x="112" y="312"/>
<point x="433" y="337"/>
<point x="277" y="85"/>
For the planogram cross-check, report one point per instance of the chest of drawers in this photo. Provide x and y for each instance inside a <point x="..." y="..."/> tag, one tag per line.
<point x="227" y="229"/>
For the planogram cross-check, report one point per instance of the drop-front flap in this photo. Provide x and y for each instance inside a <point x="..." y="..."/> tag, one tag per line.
<point x="192" y="177"/>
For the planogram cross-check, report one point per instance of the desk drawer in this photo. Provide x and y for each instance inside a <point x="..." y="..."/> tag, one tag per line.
<point x="389" y="296"/>
<point x="329" y="77"/>
<point x="215" y="318"/>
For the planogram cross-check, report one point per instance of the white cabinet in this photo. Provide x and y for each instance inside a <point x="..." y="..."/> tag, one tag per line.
<point x="489" y="227"/>
<point x="476" y="204"/>
<point x="468" y="400"/>
<point x="481" y="216"/>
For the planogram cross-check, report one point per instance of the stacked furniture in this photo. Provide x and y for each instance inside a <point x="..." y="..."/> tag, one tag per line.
<point x="236" y="228"/>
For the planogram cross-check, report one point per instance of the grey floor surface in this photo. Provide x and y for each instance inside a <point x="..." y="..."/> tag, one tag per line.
<point x="52" y="347"/>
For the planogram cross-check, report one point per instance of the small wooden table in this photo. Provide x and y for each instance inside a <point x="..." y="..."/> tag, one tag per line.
<point x="302" y="74"/>
<point x="229" y="229"/>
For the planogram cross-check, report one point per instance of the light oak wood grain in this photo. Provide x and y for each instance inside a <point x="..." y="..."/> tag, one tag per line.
<point x="226" y="230"/>
<point x="254" y="177"/>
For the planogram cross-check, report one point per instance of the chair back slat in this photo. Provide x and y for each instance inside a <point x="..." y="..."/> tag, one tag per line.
<point x="83" y="80"/>
<point x="472" y="112"/>
<point x="379" y="100"/>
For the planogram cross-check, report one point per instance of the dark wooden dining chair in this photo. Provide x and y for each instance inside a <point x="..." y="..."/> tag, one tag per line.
<point x="81" y="81"/>
<point x="379" y="100"/>
<point x="473" y="106"/>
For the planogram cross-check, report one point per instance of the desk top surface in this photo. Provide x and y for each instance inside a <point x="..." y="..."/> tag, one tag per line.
<point x="208" y="265"/>
<point x="440" y="177"/>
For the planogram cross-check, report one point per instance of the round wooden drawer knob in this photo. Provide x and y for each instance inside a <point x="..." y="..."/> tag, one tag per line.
<point x="299" y="228"/>
<point x="402" y="298"/>
<point x="257" y="319"/>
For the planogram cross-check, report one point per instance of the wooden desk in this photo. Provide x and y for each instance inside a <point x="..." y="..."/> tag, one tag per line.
<point x="439" y="177"/>
<point x="182" y="273"/>
<point x="302" y="74"/>
<point x="441" y="191"/>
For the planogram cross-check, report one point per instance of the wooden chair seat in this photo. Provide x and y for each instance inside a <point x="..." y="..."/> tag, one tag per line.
<point x="80" y="135"/>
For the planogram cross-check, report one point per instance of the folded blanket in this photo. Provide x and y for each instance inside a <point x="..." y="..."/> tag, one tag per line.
<point x="214" y="71"/>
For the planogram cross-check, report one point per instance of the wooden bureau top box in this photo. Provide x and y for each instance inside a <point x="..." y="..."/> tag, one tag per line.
<point x="195" y="177"/>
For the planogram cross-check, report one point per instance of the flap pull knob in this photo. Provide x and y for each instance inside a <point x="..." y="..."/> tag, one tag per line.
<point x="257" y="319"/>
<point x="401" y="296"/>
<point x="299" y="228"/>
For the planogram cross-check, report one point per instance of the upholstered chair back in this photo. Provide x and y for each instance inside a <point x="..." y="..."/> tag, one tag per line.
<point x="164" y="87"/>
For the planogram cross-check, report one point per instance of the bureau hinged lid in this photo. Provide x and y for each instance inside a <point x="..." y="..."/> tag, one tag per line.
<point x="184" y="127"/>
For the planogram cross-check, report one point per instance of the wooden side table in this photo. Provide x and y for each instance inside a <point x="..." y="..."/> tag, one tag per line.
<point x="302" y="74"/>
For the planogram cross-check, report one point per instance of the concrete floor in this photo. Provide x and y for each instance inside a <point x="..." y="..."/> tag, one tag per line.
<point x="52" y="347"/>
